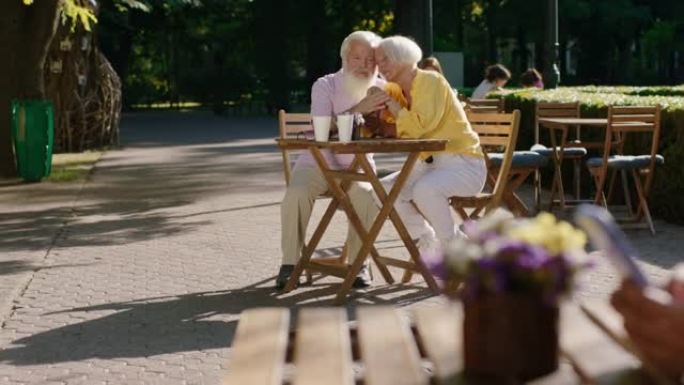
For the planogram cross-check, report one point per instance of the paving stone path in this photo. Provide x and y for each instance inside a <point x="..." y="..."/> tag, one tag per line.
<point x="139" y="274"/>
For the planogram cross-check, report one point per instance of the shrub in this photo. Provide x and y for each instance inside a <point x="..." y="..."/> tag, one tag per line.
<point x="667" y="197"/>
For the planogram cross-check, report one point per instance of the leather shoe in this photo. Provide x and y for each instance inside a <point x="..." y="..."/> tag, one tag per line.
<point x="283" y="276"/>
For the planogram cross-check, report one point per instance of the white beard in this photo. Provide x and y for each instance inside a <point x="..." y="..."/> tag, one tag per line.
<point x="357" y="87"/>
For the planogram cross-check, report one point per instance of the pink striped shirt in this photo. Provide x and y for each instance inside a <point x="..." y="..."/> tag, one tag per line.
<point x="328" y="97"/>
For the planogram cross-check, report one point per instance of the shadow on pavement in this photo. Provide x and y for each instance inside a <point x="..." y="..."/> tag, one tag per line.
<point x="192" y="322"/>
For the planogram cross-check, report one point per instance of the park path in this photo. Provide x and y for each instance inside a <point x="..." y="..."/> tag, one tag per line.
<point x="139" y="274"/>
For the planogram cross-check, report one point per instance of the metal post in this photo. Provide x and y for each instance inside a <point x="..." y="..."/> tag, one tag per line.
<point x="427" y="17"/>
<point x="552" y="72"/>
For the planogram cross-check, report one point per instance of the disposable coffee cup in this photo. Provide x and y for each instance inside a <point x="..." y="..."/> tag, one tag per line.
<point x="345" y="127"/>
<point x="321" y="126"/>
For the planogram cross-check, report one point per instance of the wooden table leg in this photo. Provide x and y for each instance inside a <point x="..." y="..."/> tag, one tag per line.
<point x="388" y="210"/>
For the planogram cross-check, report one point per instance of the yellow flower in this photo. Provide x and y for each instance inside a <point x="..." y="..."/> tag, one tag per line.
<point x="545" y="231"/>
<point x="28" y="2"/>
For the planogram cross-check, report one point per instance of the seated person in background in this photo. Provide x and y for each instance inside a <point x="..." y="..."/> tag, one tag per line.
<point x="432" y="112"/>
<point x="656" y="329"/>
<point x="430" y="63"/>
<point x="531" y="78"/>
<point x="496" y="76"/>
<point x="343" y="91"/>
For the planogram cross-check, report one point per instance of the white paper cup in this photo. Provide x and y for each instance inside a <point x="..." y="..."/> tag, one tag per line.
<point x="321" y="126"/>
<point x="345" y="126"/>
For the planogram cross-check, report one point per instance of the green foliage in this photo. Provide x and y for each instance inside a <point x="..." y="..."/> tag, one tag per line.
<point x="72" y="11"/>
<point x="667" y="198"/>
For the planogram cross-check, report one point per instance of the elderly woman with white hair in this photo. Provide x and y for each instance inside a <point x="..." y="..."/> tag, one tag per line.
<point x="432" y="112"/>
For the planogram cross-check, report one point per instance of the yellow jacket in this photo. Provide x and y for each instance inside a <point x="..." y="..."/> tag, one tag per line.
<point x="436" y="113"/>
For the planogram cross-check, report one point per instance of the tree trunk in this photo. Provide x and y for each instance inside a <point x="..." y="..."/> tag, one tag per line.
<point x="25" y="36"/>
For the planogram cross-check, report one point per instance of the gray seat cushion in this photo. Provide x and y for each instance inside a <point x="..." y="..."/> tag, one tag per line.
<point x="520" y="159"/>
<point x="625" y="161"/>
<point x="567" y="151"/>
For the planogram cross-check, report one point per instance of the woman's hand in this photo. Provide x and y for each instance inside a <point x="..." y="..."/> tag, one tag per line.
<point x="393" y="106"/>
<point x="657" y="330"/>
<point x="374" y="101"/>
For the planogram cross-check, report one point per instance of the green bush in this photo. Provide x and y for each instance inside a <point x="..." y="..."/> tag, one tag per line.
<point x="667" y="197"/>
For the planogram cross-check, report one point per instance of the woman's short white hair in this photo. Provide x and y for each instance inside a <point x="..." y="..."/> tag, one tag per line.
<point x="401" y="49"/>
<point x="366" y="37"/>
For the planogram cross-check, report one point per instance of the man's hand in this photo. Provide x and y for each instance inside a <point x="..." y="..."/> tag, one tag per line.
<point x="374" y="101"/>
<point x="657" y="330"/>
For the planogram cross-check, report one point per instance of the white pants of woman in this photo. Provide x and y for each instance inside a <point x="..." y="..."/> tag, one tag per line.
<point x="429" y="186"/>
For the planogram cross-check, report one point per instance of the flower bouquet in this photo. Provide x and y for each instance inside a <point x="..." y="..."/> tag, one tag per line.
<point x="510" y="275"/>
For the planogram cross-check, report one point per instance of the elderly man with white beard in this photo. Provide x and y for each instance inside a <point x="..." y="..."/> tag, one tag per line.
<point x="341" y="92"/>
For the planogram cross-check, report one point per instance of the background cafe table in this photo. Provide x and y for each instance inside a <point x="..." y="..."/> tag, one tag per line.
<point x="338" y="182"/>
<point x="383" y="347"/>
<point x="562" y="126"/>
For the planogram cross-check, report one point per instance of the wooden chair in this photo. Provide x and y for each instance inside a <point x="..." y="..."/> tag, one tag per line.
<point x="558" y="151"/>
<point x="643" y="125"/>
<point x="293" y="125"/>
<point x="485" y="105"/>
<point x="496" y="131"/>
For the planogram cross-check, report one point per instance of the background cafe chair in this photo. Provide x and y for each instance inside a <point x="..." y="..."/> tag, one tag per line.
<point x="558" y="150"/>
<point x="484" y="105"/>
<point x="633" y="128"/>
<point x="296" y="126"/>
<point x="497" y="131"/>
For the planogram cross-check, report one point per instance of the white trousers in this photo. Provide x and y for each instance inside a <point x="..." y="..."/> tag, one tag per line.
<point x="429" y="186"/>
<point x="306" y="184"/>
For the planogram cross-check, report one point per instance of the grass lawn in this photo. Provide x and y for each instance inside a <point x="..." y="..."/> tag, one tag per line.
<point x="72" y="167"/>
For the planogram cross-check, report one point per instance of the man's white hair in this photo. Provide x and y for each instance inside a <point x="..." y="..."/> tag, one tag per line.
<point x="401" y="49"/>
<point x="366" y="37"/>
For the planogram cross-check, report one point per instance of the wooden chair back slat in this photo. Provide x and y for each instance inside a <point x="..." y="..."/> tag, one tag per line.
<point x="260" y="347"/>
<point x="484" y="105"/>
<point x="649" y="118"/>
<point x="387" y="348"/>
<point x="493" y="142"/>
<point x="553" y="110"/>
<point x="323" y="354"/>
<point x="290" y="125"/>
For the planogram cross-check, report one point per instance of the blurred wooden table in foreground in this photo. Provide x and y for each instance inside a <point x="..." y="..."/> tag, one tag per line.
<point x="384" y="347"/>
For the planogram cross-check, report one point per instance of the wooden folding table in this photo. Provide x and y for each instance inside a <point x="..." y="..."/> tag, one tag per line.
<point x="339" y="181"/>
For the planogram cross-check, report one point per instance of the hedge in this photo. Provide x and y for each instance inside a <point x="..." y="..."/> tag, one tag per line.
<point x="667" y="197"/>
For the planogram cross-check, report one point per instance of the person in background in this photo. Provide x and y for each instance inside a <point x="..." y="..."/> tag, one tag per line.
<point x="344" y="91"/>
<point x="657" y="329"/>
<point x="496" y="76"/>
<point x="430" y="63"/>
<point x="531" y="78"/>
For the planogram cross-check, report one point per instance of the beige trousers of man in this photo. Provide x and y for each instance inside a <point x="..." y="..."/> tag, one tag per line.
<point x="307" y="183"/>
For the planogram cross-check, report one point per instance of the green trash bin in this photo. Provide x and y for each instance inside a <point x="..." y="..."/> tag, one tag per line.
<point x="33" y="134"/>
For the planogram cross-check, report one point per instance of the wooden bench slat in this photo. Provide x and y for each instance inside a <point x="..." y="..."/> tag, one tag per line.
<point x="260" y="346"/>
<point x="323" y="348"/>
<point x="441" y="333"/>
<point x="387" y="348"/>
<point x="592" y="352"/>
